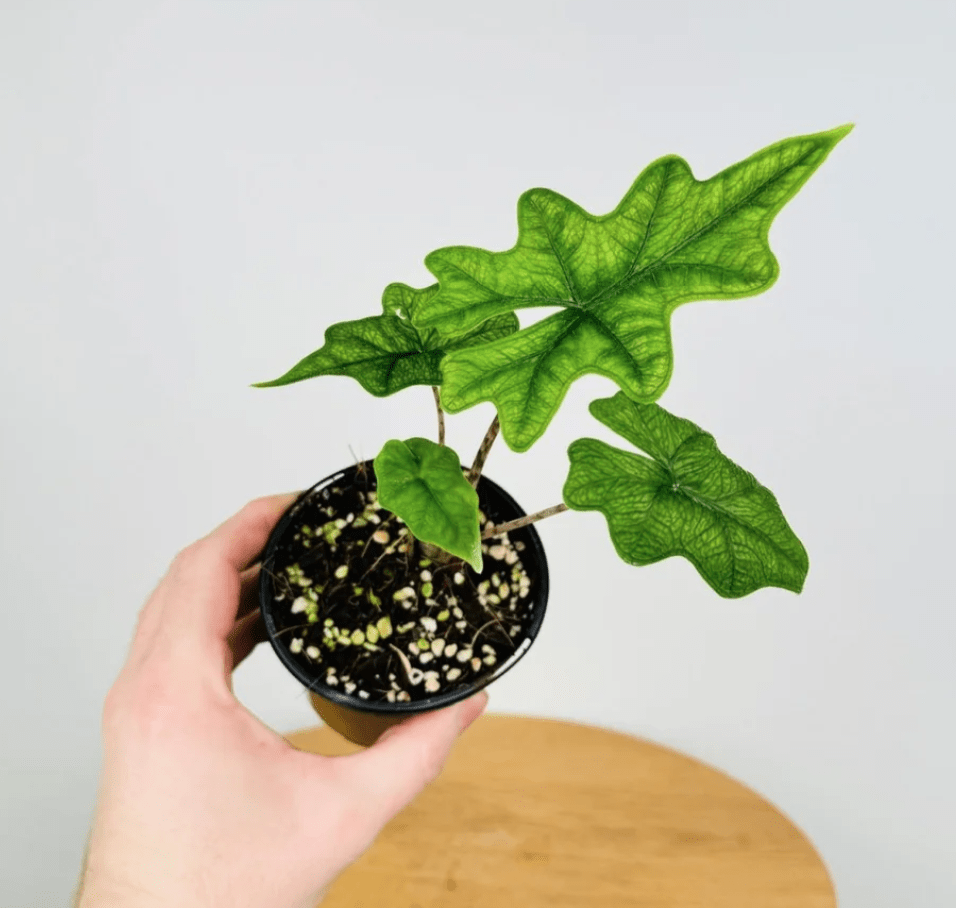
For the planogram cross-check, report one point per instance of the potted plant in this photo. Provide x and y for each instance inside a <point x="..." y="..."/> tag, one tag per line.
<point x="412" y="581"/>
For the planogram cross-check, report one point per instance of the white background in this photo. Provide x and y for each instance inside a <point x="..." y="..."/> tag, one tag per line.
<point x="190" y="193"/>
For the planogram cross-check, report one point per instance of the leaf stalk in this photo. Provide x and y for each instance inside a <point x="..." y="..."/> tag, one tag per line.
<point x="441" y="415"/>
<point x="474" y="474"/>
<point x="523" y="521"/>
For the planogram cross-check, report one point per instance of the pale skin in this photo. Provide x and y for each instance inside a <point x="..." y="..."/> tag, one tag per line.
<point x="202" y="805"/>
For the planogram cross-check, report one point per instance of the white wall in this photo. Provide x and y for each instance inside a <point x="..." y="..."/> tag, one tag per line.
<point x="191" y="192"/>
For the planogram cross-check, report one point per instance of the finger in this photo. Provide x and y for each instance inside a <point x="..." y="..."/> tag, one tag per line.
<point x="241" y="539"/>
<point x="245" y="636"/>
<point x="202" y="591"/>
<point x="249" y="591"/>
<point x="393" y="771"/>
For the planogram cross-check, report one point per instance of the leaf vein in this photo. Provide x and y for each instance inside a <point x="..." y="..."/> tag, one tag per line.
<point x="568" y="278"/>
<point x="634" y="276"/>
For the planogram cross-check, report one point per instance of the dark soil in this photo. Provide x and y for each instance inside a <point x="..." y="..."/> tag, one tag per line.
<point x="366" y="613"/>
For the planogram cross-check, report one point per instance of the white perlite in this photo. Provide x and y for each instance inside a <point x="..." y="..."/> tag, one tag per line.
<point x="312" y="652"/>
<point x="296" y="645"/>
<point x="414" y="675"/>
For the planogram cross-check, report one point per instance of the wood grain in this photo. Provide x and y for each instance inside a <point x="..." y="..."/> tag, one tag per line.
<point x="535" y="812"/>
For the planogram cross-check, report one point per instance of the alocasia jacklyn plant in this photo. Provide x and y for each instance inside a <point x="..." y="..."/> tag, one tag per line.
<point x="613" y="281"/>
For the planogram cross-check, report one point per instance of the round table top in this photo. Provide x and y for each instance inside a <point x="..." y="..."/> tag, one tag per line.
<point x="536" y="812"/>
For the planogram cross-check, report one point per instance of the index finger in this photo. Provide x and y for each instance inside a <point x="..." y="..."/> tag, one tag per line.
<point x="240" y="540"/>
<point x="202" y="597"/>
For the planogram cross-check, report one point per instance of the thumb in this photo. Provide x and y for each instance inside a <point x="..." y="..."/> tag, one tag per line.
<point x="408" y="757"/>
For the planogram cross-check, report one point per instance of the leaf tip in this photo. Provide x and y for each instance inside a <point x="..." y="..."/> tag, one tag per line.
<point x="798" y="586"/>
<point x="476" y="561"/>
<point x="841" y="132"/>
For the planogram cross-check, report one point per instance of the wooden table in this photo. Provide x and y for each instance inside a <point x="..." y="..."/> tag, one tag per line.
<point x="534" y="812"/>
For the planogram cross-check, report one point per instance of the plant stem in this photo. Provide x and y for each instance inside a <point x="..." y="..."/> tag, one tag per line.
<point x="475" y="472"/>
<point x="494" y="620"/>
<point x="437" y="554"/>
<point x="441" y="415"/>
<point x="388" y="550"/>
<point x="295" y="627"/>
<point x="523" y="521"/>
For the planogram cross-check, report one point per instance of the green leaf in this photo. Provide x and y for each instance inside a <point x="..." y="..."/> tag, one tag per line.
<point x="685" y="499"/>
<point x="386" y="353"/>
<point x="423" y="483"/>
<point x="616" y="278"/>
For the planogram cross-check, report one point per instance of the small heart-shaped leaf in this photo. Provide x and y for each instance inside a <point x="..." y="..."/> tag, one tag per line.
<point x="423" y="483"/>
<point x="686" y="499"/>
<point x="386" y="353"/>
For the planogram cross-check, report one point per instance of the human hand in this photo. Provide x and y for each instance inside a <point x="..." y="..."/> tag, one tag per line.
<point x="200" y="804"/>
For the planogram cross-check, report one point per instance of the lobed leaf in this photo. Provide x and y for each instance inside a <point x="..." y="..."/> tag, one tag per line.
<point x="686" y="498"/>
<point x="422" y="482"/>
<point x="386" y="353"/>
<point x="616" y="278"/>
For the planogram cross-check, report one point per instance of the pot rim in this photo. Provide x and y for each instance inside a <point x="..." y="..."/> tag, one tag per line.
<point x="315" y="685"/>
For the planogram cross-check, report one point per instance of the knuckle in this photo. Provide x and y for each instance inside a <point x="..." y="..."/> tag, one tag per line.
<point x="428" y="760"/>
<point x="259" y="511"/>
<point x="189" y="556"/>
<point x="140" y="708"/>
<point x="192" y="562"/>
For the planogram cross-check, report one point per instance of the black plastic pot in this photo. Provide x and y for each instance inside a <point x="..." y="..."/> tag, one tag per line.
<point x="361" y="721"/>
